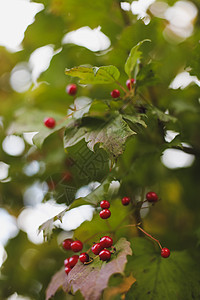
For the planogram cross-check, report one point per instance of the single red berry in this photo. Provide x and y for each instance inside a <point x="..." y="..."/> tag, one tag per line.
<point x="165" y="252"/>
<point x="151" y="197"/>
<point x="106" y="241"/>
<point x="105" y="254"/>
<point x="73" y="260"/>
<point x="71" y="89"/>
<point x="130" y="83"/>
<point x="126" y="201"/>
<point x="50" y="122"/>
<point x="115" y="94"/>
<point x="104" y="204"/>
<point x="66" y="262"/>
<point x="77" y="246"/>
<point x="67" y="244"/>
<point x="84" y="257"/>
<point x="96" y="248"/>
<point x="105" y="213"/>
<point x="67" y="269"/>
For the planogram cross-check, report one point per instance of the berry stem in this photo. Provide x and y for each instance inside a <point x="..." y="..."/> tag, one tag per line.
<point x="121" y="86"/>
<point x="157" y="241"/>
<point x="64" y="118"/>
<point x="89" y="262"/>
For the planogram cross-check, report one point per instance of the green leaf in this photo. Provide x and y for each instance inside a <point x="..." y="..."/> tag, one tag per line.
<point x="94" y="75"/>
<point x="176" y="277"/>
<point x="162" y="116"/>
<point x="147" y="75"/>
<point x="135" y="119"/>
<point x="33" y="121"/>
<point x="133" y="58"/>
<point x="91" y="279"/>
<point x="111" y="135"/>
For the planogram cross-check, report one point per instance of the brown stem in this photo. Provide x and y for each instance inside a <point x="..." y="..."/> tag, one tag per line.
<point x="121" y="86"/>
<point x="125" y="16"/>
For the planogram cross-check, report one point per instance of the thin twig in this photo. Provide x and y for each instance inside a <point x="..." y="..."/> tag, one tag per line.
<point x="157" y="241"/>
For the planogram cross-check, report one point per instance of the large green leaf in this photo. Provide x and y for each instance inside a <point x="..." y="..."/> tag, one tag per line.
<point x="111" y="135"/>
<point x="94" y="75"/>
<point x="173" y="278"/>
<point x="33" y="121"/>
<point x="133" y="58"/>
<point x="91" y="279"/>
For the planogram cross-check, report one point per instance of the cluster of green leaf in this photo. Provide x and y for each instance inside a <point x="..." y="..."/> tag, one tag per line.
<point x="107" y="140"/>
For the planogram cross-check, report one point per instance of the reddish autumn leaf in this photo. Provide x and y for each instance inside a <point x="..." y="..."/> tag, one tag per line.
<point x="91" y="279"/>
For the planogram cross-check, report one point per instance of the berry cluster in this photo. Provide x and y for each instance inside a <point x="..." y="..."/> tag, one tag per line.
<point x="99" y="249"/>
<point x="71" y="90"/>
<point x="105" y="212"/>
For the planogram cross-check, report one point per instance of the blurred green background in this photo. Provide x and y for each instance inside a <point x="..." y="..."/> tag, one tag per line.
<point x="64" y="34"/>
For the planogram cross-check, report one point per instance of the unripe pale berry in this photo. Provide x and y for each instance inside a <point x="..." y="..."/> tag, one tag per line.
<point x="126" y="201"/>
<point x="151" y="197"/>
<point x="165" y="252"/>
<point x="71" y="89"/>
<point x="84" y="257"/>
<point x="67" y="244"/>
<point x="115" y="94"/>
<point x="105" y="214"/>
<point x="96" y="248"/>
<point x="104" y="204"/>
<point x="50" y="122"/>
<point x="105" y="254"/>
<point x="106" y="241"/>
<point x="76" y="246"/>
<point x="130" y="83"/>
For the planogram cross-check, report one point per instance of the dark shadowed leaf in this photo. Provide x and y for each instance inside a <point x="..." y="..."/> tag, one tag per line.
<point x="176" y="277"/>
<point x="91" y="279"/>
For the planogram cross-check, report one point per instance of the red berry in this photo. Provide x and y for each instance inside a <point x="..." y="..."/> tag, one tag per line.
<point x="104" y="204"/>
<point x="66" y="262"/>
<point x="67" y="269"/>
<point x="50" y="122"/>
<point x="96" y="248"/>
<point x="115" y="94"/>
<point x="126" y="201"/>
<point x="151" y="197"/>
<point x="77" y="246"/>
<point x="105" y="254"/>
<point x="84" y="257"/>
<point x="105" y="214"/>
<point x="73" y="260"/>
<point x="71" y="89"/>
<point x="67" y="244"/>
<point x="130" y="83"/>
<point x="106" y="241"/>
<point x="165" y="252"/>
